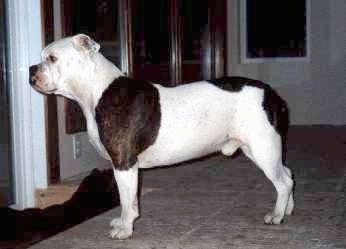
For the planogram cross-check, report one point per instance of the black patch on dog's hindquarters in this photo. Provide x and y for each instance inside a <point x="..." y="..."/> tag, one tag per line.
<point x="274" y="106"/>
<point x="128" y="118"/>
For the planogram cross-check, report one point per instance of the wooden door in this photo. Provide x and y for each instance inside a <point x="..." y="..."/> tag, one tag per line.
<point x="52" y="133"/>
<point x="177" y="41"/>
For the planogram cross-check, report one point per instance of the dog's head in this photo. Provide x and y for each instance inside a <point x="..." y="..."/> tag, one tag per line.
<point x="65" y="65"/>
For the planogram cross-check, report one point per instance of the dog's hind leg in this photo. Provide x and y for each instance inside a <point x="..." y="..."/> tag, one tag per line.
<point x="230" y="147"/>
<point x="290" y="204"/>
<point x="127" y="181"/>
<point x="266" y="153"/>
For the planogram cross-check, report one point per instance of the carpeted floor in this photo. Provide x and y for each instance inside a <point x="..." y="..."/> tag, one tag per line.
<point x="219" y="203"/>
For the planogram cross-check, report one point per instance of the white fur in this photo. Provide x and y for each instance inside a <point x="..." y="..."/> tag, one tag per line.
<point x="127" y="182"/>
<point x="196" y="119"/>
<point x="200" y="118"/>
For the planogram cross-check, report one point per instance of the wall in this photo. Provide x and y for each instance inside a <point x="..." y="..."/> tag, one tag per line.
<point x="89" y="158"/>
<point x="315" y="90"/>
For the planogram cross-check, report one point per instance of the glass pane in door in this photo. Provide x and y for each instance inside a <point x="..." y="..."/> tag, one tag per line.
<point x="195" y="40"/>
<point x="6" y="189"/>
<point x="99" y="19"/>
<point x="151" y="40"/>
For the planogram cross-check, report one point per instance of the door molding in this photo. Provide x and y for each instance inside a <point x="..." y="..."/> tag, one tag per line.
<point x="27" y="106"/>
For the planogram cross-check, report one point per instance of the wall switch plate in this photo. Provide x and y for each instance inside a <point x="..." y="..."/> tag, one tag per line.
<point x="77" y="146"/>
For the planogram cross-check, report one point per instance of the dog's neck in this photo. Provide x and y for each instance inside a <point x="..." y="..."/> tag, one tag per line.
<point x="98" y="82"/>
<point x="107" y="72"/>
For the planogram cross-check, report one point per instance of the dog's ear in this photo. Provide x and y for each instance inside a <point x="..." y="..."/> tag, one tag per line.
<point x="84" y="42"/>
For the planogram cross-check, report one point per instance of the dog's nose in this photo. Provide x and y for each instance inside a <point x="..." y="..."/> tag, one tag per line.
<point x="32" y="73"/>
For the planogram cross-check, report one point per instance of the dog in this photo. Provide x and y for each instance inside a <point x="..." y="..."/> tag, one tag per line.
<point x="138" y="124"/>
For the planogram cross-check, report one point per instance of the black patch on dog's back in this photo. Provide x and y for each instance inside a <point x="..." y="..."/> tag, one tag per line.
<point x="235" y="83"/>
<point x="274" y="106"/>
<point x="128" y="118"/>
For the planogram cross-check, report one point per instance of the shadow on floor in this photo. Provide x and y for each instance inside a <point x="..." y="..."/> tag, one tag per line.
<point x="96" y="194"/>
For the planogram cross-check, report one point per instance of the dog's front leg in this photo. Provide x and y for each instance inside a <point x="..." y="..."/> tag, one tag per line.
<point x="127" y="181"/>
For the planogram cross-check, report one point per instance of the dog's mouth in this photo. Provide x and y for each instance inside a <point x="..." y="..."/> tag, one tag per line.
<point x="50" y="91"/>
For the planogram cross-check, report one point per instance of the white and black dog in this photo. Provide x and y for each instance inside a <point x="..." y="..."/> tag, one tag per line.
<point x="138" y="124"/>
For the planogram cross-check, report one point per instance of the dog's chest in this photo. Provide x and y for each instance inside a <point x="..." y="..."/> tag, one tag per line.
<point x="128" y="119"/>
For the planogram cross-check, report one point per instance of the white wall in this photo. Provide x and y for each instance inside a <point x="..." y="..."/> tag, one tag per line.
<point x="89" y="159"/>
<point x="315" y="90"/>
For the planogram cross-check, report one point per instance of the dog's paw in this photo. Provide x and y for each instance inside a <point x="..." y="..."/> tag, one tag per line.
<point x="121" y="232"/>
<point x="117" y="222"/>
<point x="273" y="218"/>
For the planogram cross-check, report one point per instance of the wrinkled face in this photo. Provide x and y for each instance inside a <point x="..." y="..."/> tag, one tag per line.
<point x="65" y="65"/>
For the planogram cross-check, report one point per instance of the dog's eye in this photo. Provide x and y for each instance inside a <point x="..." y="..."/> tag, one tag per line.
<point x="52" y="58"/>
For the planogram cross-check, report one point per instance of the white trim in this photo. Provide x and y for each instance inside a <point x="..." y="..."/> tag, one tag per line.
<point x="38" y="111"/>
<point x="28" y="116"/>
<point x="243" y="39"/>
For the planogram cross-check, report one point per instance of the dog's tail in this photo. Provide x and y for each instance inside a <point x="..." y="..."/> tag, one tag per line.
<point x="278" y="115"/>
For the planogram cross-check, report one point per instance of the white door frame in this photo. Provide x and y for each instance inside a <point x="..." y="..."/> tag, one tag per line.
<point x="24" y="32"/>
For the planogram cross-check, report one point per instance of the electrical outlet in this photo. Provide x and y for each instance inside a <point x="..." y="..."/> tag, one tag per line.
<point x="77" y="146"/>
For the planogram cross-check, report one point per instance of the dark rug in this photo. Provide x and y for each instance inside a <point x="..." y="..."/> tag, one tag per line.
<point x="96" y="194"/>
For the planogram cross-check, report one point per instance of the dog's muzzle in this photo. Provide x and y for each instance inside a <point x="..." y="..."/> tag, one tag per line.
<point x="32" y="74"/>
